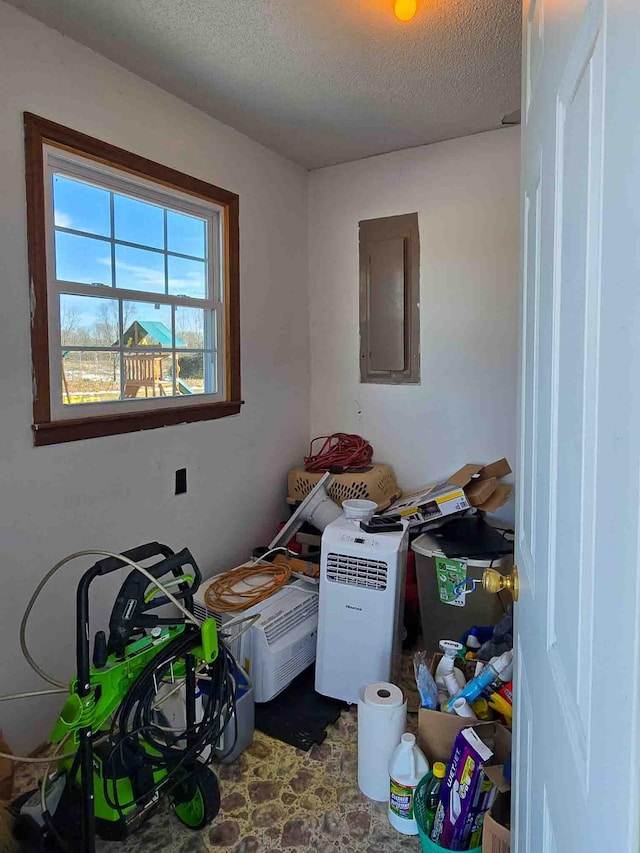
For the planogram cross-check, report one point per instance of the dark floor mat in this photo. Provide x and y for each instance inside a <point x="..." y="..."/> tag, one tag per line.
<point x="299" y="716"/>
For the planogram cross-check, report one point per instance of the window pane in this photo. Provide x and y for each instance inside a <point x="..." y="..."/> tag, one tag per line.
<point x="146" y="325"/>
<point x="194" y="328"/>
<point x="186" y="234"/>
<point x="90" y="377"/>
<point x="81" y="206"/>
<point x="138" y="222"/>
<point x="137" y="269"/>
<point x="187" y="278"/>
<point x="87" y="321"/>
<point x="148" y="374"/>
<point x="196" y="372"/>
<point x="82" y="259"/>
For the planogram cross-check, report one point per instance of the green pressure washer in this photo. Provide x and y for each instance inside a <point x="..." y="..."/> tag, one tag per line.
<point x="118" y="756"/>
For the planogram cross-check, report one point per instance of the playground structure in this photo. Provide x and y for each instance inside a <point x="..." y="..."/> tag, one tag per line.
<point x="145" y="370"/>
<point x="148" y="374"/>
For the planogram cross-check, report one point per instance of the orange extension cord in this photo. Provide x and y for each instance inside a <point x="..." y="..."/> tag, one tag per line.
<point x="340" y="450"/>
<point x="222" y="597"/>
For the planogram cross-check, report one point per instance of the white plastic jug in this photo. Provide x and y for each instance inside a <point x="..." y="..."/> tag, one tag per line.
<point x="407" y="766"/>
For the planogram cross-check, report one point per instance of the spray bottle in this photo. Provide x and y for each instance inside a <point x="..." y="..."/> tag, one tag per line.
<point x="477" y="685"/>
<point x="449" y="679"/>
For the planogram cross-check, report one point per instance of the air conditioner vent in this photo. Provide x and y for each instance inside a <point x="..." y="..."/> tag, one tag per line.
<point x="299" y="661"/>
<point x="200" y="611"/>
<point x="283" y="622"/>
<point x="357" y="571"/>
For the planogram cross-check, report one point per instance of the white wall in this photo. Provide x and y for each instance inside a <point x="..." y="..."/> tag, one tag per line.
<point x="466" y="194"/>
<point x="118" y="492"/>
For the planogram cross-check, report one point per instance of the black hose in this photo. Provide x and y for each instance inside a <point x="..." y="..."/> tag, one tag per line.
<point x="135" y="720"/>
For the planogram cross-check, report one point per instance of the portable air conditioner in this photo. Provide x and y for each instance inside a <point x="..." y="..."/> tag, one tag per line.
<point x="282" y="642"/>
<point x="362" y="578"/>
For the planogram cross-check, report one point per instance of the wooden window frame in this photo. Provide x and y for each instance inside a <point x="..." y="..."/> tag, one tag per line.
<point x="377" y="231"/>
<point x="40" y="132"/>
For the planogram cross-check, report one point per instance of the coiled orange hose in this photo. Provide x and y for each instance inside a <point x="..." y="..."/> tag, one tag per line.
<point x="221" y="596"/>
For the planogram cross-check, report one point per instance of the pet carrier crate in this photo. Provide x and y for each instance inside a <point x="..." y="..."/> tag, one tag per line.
<point x="374" y="483"/>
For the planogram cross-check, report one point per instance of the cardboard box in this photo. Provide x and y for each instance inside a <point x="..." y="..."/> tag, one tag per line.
<point x="429" y="504"/>
<point x="437" y="733"/>
<point x="473" y="485"/>
<point x="479" y="491"/>
<point x="496" y="832"/>
<point x="7" y="770"/>
<point x="482" y="486"/>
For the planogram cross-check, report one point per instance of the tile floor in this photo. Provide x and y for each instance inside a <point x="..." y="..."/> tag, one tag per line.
<point x="275" y="797"/>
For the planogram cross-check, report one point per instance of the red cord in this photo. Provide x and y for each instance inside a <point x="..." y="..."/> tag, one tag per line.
<point x="339" y="450"/>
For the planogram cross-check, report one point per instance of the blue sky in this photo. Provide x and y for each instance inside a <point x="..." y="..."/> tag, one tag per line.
<point x="86" y="259"/>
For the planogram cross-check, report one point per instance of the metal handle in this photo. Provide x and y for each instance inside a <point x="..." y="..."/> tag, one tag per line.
<point x="494" y="582"/>
<point x="138" y="555"/>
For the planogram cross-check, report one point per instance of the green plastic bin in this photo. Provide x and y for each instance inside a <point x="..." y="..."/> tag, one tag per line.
<point x="428" y="846"/>
<point x="420" y="813"/>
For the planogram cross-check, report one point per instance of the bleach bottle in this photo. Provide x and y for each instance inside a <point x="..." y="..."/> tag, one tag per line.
<point x="407" y="766"/>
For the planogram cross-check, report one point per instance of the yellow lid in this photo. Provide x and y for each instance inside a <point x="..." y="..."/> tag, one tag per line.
<point x="481" y="708"/>
<point x="439" y="770"/>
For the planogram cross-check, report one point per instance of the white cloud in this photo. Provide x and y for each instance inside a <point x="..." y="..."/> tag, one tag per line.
<point x="151" y="280"/>
<point x="145" y="277"/>
<point x="63" y="220"/>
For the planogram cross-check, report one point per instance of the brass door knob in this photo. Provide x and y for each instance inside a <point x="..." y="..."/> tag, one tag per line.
<point x="493" y="582"/>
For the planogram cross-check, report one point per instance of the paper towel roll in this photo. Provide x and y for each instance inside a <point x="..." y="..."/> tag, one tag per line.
<point x="382" y="720"/>
<point x="383" y="695"/>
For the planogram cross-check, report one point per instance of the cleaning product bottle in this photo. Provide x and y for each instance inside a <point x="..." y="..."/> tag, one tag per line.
<point x="507" y="674"/>
<point x="499" y="704"/>
<point x="407" y="766"/>
<point x="452" y="684"/>
<point x="506" y="691"/>
<point x="463" y="709"/>
<point x="471" y="641"/>
<point x="446" y="668"/>
<point x="481" y="709"/>
<point x="432" y="792"/>
<point x="488" y="675"/>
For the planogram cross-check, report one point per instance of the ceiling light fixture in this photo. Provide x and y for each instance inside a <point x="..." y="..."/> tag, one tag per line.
<point x="405" y="9"/>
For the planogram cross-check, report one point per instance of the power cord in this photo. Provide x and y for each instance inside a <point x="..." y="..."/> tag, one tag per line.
<point x="61" y="686"/>
<point x="222" y="595"/>
<point x="137" y="707"/>
<point x="136" y="717"/>
<point x="340" y="450"/>
<point x="89" y="553"/>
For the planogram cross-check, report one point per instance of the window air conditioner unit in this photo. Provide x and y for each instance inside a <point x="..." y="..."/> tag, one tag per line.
<point x="280" y="644"/>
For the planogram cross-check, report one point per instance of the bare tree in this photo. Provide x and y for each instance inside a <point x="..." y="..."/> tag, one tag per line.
<point x="106" y="330"/>
<point x="190" y="327"/>
<point x="69" y="324"/>
<point x="107" y="325"/>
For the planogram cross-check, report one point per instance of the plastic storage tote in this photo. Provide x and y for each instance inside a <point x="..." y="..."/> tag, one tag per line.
<point x="448" y="621"/>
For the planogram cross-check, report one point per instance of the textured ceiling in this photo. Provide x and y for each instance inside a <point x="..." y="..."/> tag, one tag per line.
<point x="320" y="81"/>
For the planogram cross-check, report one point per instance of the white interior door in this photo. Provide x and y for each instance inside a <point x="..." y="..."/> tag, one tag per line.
<point x="577" y="640"/>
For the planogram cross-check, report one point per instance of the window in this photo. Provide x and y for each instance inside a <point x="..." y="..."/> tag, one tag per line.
<point x="134" y="276"/>
<point x="389" y="300"/>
